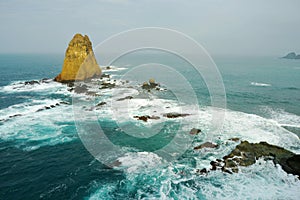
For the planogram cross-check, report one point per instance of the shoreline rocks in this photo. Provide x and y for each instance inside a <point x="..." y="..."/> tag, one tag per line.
<point x="246" y="154"/>
<point x="175" y="115"/>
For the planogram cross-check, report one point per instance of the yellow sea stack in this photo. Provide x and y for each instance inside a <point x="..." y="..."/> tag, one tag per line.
<point x="80" y="62"/>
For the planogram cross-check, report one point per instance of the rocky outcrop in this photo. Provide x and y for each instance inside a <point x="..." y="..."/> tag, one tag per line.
<point x="195" y="131"/>
<point x="151" y="85"/>
<point x="80" y="62"/>
<point x="206" y="145"/>
<point x="246" y="154"/>
<point x="292" y="55"/>
<point x="146" y="117"/>
<point x="175" y="115"/>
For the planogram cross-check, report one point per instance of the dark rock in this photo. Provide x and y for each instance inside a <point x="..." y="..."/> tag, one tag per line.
<point x="246" y="154"/>
<point x="195" y="131"/>
<point x="101" y="104"/>
<point x="146" y="117"/>
<point x="175" y="115"/>
<point x="124" y="98"/>
<point x="47" y="107"/>
<point x="227" y="170"/>
<point x="143" y="118"/>
<point x="105" y="76"/>
<point x="206" y="145"/>
<point x="234" y="139"/>
<point x="151" y="85"/>
<point x="213" y="165"/>
<point x="70" y="84"/>
<point x="106" y="85"/>
<point x="202" y="171"/>
<point x="31" y="82"/>
<point x="292" y="165"/>
<point x="16" y="115"/>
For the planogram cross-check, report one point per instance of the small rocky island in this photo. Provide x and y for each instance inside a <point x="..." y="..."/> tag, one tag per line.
<point x="246" y="154"/>
<point x="292" y="55"/>
<point x="80" y="62"/>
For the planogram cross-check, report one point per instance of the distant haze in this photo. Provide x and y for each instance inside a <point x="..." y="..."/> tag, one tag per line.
<point x="234" y="27"/>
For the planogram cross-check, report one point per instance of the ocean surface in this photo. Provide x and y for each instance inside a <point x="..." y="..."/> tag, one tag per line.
<point x="42" y="156"/>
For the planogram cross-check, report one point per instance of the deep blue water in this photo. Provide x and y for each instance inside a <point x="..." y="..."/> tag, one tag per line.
<point x="43" y="158"/>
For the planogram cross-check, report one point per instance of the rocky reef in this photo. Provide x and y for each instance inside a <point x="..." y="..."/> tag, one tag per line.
<point x="246" y="154"/>
<point x="80" y="62"/>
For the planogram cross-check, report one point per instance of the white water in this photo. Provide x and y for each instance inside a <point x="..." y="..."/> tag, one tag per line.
<point x="260" y="84"/>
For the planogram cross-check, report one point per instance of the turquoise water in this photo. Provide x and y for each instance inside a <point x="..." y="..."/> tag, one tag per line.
<point x="43" y="157"/>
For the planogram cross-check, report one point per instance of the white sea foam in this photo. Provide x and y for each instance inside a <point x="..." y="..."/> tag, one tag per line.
<point x="259" y="181"/>
<point x="112" y="68"/>
<point x="236" y="124"/>
<point x="260" y="84"/>
<point x="34" y="129"/>
<point x="137" y="162"/>
<point x="42" y="87"/>
<point x="26" y="108"/>
<point x="282" y="117"/>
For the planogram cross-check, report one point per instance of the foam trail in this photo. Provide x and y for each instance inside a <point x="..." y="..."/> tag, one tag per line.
<point x="260" y="84"/>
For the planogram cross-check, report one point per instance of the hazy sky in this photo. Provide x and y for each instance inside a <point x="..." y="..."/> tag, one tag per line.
<point x="263" y="27"/>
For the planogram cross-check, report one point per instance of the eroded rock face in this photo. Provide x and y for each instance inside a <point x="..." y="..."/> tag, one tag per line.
<point x="80" y="62"/>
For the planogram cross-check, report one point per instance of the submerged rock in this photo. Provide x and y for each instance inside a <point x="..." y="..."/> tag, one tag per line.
<point x="202" y="171"/>
<point x="107" y="85"/>
<point x="206" y="145"/>
<point x="195" y="131"/>
<point x="101" y="104"/>
<point x="31" y="82"/>
<point x="234" y="139"/>
<point x="175" y="115"/>
<point x="124" y="98"/>
<point x="146" y="117"/>
<point x="80" y="62"/>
